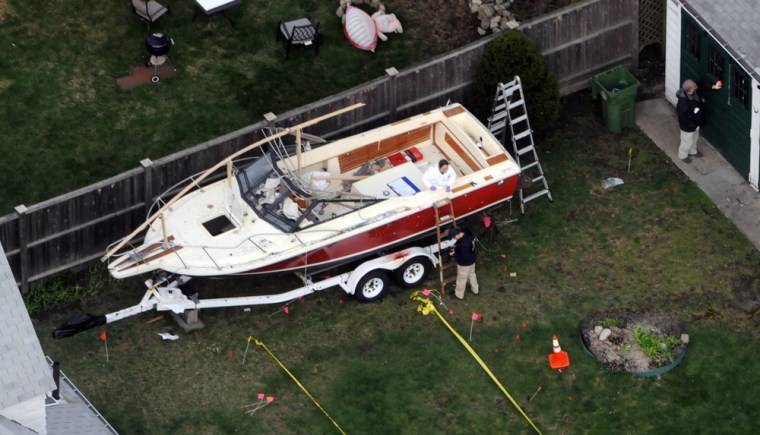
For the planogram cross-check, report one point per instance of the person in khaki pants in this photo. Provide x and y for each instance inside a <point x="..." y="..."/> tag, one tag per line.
<point x="465" y="255"/>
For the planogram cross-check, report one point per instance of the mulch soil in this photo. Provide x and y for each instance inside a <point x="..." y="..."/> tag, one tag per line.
<point x="141" y="74"/>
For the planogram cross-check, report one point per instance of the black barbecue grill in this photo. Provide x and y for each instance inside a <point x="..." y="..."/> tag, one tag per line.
<point x="158" y="45"/>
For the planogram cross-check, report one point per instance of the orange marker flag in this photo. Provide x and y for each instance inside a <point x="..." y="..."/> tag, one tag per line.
<point x="104" y="339"/>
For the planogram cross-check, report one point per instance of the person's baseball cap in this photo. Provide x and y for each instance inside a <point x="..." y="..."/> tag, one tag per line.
<point x="453" y="232"/>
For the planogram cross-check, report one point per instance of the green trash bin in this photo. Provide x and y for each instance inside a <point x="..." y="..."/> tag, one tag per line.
<point x="618" y="89"/>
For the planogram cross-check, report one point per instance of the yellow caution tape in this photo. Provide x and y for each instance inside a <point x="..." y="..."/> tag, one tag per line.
<point x="426" y="308"/>
<point x="259" y="343"/>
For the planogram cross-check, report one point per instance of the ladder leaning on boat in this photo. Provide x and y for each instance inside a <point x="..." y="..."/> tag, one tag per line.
<point x="369" y="281"/>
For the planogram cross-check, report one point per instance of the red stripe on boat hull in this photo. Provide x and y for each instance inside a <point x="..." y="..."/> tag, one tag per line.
<point x="407" y="228"/>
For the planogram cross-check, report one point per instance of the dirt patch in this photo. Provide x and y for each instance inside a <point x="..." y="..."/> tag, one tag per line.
<point x="453" y="24"/>
<point x="525" y="10"/>
<point x="651" y="72"/>
<point x="6" y="11"/>
<point x="746" y="290"/>
<point x="448" y="24"/>
<point x="623" y="342"/>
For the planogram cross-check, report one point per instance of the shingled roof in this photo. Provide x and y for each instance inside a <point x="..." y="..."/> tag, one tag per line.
<point x="733" y="23"/>
<point x="24" y="373"/>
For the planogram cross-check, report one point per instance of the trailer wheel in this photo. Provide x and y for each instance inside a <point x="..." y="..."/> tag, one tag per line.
<point x="372" y="286"/>
<point x="413" y="272"/>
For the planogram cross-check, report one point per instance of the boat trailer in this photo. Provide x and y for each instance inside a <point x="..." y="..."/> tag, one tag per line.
<point x="368" y="281"/>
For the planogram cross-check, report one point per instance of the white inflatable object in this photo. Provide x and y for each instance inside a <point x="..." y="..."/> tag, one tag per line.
<point x="360" y="29"/>
<point x="386" y="23"/>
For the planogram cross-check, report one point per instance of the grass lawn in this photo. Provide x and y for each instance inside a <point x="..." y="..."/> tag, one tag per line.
<point x="65" y="123"/>
<point x="654" y="243"/>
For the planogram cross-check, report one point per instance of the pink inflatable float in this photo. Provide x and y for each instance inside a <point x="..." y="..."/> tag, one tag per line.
<point x="360" y="29"/>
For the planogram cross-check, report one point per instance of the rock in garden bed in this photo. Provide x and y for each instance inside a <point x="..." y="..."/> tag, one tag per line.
<point x="639" y="343"/>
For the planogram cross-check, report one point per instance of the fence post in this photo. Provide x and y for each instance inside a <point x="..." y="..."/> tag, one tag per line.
<point x="392" y="73"/>
<point x="23" y="255"/>
<point x="147" y="165"/>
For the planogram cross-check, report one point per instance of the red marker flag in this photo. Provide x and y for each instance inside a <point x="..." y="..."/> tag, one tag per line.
<point x="286" y="310"/>
<point x="475" y="316"/>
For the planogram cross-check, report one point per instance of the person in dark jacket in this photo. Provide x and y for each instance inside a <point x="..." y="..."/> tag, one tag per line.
<point x="465" y="255"/>
<point x="691" y="117"/>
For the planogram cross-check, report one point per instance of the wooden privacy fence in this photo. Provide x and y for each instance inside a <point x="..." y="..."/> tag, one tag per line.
<point x="73" y="230"/>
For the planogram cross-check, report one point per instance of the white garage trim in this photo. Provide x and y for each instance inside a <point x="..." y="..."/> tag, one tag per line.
<point x="672" y="50"/>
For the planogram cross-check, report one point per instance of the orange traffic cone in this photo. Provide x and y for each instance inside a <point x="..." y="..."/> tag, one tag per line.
<point x="558" y="359"/>
<point x="555" y="344"/>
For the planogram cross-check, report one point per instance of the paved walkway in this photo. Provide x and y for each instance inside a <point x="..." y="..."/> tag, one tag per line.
<point x="712" y="173"/>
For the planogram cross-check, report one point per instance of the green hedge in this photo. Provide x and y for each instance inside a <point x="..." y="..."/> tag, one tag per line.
<point x="513" y="54"/>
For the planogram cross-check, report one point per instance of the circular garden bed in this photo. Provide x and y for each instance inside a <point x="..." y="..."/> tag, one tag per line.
<point x="645" y="344"/>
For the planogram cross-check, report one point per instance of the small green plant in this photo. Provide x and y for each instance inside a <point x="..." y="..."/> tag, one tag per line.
<point x="98" y="280"/>
<point x="626" y="347"/>
<point x="611" y="321"/>
<point x="655" y="346"/>
<point x="47" y="294"/>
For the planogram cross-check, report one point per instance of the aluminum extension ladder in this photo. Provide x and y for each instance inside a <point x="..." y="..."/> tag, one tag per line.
<point x="509" y="110"/>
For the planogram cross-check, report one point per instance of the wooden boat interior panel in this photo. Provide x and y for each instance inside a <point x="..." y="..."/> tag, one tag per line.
<point x="385" y="147"/>
<point x="463" y="160"/>
<point x="498" y="158"/>
<point x="454" y="111"/>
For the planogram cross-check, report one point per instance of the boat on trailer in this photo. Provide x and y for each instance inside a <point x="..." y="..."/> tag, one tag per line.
<point x="308" y="210"/>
